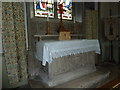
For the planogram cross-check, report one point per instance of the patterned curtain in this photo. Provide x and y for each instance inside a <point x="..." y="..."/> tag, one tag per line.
<point x="14" y="41"/>
<point x="91" y="24"/>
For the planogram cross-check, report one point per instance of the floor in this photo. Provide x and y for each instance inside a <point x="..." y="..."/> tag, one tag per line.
<point x="114" y="72"/>
<point x="107" y="72"/>
<point x="115" y="83"/>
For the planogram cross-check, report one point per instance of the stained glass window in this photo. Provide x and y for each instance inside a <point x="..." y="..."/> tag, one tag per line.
<point x="67" y="9"/>
<point x="44" y="8"/>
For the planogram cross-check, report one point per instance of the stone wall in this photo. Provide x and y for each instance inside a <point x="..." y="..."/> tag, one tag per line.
<point x="38" y="25"/>
<point x="104" y="12"/>
<point x="0" y="45"/>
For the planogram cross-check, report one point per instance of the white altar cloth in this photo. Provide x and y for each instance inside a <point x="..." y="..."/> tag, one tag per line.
<point x="47" y="50"/>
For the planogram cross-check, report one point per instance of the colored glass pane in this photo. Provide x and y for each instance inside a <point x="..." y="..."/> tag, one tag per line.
<point x="66" y="6"/>
<point x="44" y="8"/>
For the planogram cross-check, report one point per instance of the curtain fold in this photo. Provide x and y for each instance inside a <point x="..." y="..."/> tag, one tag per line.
<point x="14" y="41"/>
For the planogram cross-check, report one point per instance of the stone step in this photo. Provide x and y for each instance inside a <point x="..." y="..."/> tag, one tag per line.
<point x="86" y="81"/>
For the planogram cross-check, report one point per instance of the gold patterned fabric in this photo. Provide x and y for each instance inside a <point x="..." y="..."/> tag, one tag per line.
<point x="91" y="24"/>
<point x="14" y="41"/>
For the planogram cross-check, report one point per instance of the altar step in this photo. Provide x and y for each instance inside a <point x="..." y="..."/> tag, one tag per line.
<point x="86" y="81"/>
<point x="104" y="74"/>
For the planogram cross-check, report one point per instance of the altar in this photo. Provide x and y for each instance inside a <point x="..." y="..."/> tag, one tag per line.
<point x="62" y="61"/>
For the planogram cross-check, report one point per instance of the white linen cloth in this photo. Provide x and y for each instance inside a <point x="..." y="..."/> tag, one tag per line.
<point x="47" y="50"/>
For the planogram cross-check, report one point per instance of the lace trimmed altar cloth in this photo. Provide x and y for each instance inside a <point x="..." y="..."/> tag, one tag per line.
<point x="47" y="50"/>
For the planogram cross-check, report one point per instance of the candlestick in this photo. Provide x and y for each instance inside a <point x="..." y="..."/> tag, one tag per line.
<point x="48" y="26"/>
<point x="74" y="19"/>
<point x="47" y="17"/>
